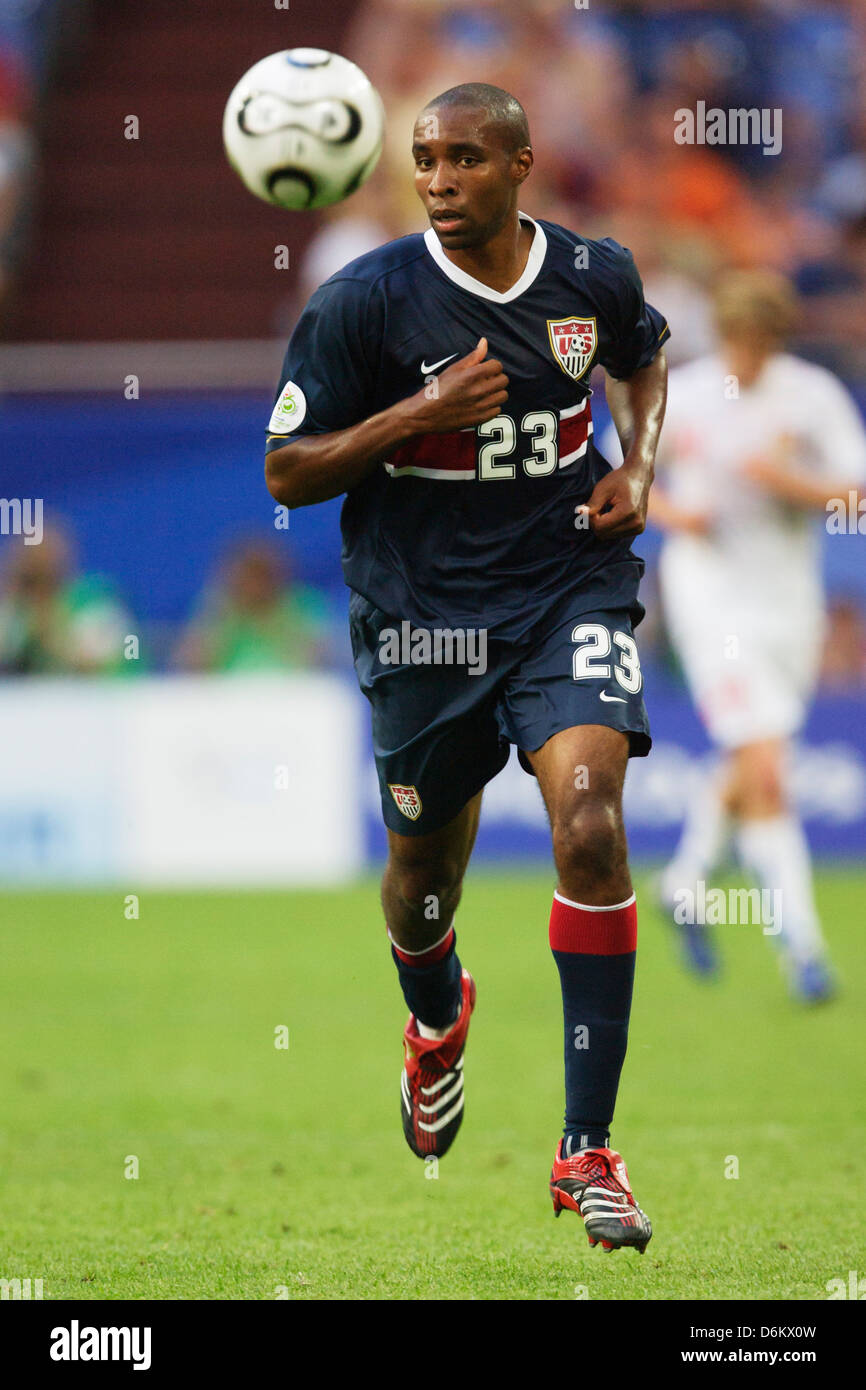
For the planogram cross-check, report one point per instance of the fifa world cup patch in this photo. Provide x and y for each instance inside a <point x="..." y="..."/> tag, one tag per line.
<point x="574" y="342"/>
<point x="407" y="799"/>
<point x="289" y="411"/>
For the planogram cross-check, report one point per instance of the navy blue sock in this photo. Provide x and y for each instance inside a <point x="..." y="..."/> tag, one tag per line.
<point x="431" y="981"/>
<point x="594" y="950"/>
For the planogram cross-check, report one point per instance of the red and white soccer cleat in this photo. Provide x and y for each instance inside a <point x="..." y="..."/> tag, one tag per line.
<point x="595" y="1184"/>
<point x="431" y="1084"/>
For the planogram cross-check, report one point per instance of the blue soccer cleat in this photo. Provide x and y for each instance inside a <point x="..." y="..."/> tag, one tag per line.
<point x="813" y="982"/>
<point x="698" y="947"/>
<point x="699" y="950"/>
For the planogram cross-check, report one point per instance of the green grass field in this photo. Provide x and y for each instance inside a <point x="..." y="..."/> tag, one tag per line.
<point x="263" y="1170"/>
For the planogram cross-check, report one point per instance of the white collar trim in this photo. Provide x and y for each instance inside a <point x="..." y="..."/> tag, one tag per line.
<point x="535" y="261"/>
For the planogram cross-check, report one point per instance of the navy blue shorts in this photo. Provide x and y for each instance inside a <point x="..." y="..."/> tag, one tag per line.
<point x="446" y="712"/>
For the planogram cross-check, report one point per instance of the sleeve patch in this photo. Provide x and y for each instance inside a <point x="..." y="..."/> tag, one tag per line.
<point x="289" y="411"/>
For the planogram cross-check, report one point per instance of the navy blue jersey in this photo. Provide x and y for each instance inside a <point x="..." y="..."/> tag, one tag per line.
<point x="474" y="528"/>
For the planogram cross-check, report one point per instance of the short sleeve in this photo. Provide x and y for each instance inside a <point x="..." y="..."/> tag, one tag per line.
<point x="839" y="433"/>
<point x="328" y="381"/>
<point x="638" y="330"/>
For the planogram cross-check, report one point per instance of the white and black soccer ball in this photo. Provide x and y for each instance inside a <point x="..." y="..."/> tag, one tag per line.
<point x="304" y="128"/>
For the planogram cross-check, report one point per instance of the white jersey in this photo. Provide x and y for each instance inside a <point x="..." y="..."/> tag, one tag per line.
<point x="765" y="547"/>
<point x="744" y="603"/>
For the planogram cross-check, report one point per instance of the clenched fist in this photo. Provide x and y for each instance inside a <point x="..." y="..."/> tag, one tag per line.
<point x="468" y="393"/>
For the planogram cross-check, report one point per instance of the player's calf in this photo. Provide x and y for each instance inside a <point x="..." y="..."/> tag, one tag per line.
<point x="423" y="879"/>
<point x="420" y="891"/>
<point x="593" y="937"/>
<point x="417" y="898"/>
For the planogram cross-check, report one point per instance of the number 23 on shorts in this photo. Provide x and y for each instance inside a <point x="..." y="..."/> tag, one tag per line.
<point x="594" y="644"/>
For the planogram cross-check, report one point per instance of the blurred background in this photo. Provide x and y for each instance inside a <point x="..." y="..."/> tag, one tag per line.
<point x="177" y="703"/>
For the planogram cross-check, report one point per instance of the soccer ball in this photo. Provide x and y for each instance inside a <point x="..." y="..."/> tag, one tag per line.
<point x="304" y="128"/>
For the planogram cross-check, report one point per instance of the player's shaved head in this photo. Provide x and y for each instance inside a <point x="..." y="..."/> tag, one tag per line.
<point x="501" y="109"/>
<point x="472" y="154"/>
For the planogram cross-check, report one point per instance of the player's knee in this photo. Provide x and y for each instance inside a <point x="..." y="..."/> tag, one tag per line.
<point x="426" y="885"/>
<point x="589" y="839"/>
<point x="762" y="785"/>
<point x="764" y="795"/>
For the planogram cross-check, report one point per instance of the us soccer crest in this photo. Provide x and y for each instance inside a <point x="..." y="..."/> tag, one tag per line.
<point x="574" y="342"/>
<point x="407" y="799"/>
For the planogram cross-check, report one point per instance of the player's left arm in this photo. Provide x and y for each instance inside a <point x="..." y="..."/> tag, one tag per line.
<point x="838" y="448"/>
<point x="618" y="504"/>
<point x="825" y="459"/>
<point x="636" y="386"/>
<point x="778" y="474"/>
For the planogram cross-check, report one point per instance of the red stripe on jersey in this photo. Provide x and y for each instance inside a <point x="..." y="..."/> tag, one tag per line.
<point x="455" y="452"/>
<point x="574" y="432"/>
<point x="451" y="453"/>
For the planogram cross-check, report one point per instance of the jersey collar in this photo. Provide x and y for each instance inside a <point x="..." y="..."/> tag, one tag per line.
<point x="537" y="252"/>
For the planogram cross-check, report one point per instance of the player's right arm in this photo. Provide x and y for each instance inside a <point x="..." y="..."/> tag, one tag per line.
<point x="315" y="467"/>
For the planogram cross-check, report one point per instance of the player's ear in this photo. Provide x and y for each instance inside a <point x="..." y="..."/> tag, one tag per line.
<point x="522" y="164"/>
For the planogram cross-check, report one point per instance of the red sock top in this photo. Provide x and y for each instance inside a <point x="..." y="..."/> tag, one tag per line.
<point x="593" y="931"/>
<point x="436" y="952"/>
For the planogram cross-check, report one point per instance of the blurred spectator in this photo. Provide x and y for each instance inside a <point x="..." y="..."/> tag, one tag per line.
<point x="347" y="231"/>
<point x="601" y="86"/>
<point x="54" y="622"/>
<point x="33" y="37"/>
<point x="834" y="295"/>
<point x="16" y="144"/>
<point x="255" y="618"/>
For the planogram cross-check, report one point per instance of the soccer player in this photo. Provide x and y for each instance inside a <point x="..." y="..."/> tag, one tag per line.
<point x="755" y="439"/>
<point x="441" y="383"/>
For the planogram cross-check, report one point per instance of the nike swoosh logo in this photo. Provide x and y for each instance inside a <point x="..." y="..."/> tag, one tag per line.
<point x="607" y="698"/>
<point x="425" y="369"/>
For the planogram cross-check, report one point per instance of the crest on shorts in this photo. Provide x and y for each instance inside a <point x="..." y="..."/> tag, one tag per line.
<point x="574" y="342"/>
<point x="407" y="799"/>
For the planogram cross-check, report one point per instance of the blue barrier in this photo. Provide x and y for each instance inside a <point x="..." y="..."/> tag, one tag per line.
<point x="154" y="490"/>
<point x="828" y="772"/>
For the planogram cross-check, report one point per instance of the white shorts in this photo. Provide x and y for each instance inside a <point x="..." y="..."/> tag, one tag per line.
<point x="750" y="663"/>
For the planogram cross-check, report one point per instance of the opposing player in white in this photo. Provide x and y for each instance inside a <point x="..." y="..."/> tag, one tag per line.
<point x="755" y="443"/>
